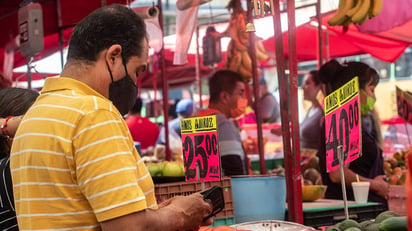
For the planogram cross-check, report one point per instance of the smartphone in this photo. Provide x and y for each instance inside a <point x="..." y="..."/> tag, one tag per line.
<point x="214" y="195"/>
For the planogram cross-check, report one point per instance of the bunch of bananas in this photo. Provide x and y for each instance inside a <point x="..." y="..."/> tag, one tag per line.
<point x="355" y="11"/>
<point x="237" y="56"/>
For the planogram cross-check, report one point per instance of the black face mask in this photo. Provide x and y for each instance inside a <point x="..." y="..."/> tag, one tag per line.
<point x="123" y="92"/>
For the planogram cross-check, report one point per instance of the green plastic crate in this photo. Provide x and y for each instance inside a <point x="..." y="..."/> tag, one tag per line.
<point x="269" y="164"/>
<point x="223" y="221"/>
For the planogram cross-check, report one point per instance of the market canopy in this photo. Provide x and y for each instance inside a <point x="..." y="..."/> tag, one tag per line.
<point x="353" y="41"/>
<point x="341" y="42"/>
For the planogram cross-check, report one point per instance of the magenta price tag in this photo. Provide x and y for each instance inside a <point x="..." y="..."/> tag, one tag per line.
<point x="200" y="148"/>
<point x="404" y="104"/>
<point x="342" y="124"/>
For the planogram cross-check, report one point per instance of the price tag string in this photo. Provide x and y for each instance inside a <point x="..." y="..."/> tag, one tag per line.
<point x="342" y="180"/>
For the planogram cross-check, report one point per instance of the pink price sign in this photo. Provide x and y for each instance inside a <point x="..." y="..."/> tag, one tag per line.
<point x="200" y="148"/>
<point x="342" y="124"/>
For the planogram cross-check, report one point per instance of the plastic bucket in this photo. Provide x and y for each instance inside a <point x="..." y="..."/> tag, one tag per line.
<point x="257" y="198"/>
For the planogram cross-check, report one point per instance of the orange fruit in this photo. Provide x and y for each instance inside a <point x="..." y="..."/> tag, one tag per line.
<point x="393" y="179"/>
<point x="398" y="155"/>
<point x="397" y="171"/>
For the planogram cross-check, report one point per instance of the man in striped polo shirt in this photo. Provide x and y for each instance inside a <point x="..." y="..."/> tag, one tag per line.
<point x="73" y="161"/>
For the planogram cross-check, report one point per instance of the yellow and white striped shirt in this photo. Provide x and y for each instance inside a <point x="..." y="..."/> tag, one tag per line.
<point x="73" y="162"/>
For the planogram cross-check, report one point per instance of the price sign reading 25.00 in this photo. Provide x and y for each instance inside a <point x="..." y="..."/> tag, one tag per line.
<point x="342" y="124"/>
<point x="200" y="148"/>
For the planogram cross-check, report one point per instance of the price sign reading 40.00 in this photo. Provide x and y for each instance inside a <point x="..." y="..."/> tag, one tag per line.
<point x="200" y="148"/>
<point x="342" y="124"/>
<point x="404" y="104"/>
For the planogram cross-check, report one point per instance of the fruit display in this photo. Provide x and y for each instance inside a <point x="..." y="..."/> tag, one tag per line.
<point x="166" y="168"/>
<point x="237" y="55"/>
<point x="312" y="188"/>
<point x="310" y="171"/>
<point x="313" y="192"/>
<point x="250" y="144"/>
<point x="385" y="221"/>
<point x="355" y="11"/>
<point x="395" y="167"/>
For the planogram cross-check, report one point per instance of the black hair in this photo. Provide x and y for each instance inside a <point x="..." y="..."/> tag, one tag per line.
<point x="137" y="107"/>
<point x="315" y="76"/>
<point x="14" y="102"/>
<point x="106" y="26"/>
<point x="335" y="75"/>
<point x="223" y="80"/>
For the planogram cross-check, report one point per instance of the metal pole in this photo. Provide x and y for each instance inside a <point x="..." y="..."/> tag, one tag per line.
<point x="252" y="54"/>
<point x="199" y="82"/>
<point x="295" y="185"/>
<point x="164" y="84"/>
<point x="61" y="38"/>
<point x="284" y="110"/>
<point x="342" y="180"/>
<point x="29" y="59"/>
<point x="320" y="34"/>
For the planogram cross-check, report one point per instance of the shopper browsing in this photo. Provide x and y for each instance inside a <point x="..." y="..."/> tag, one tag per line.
<point x="73" y="161"/>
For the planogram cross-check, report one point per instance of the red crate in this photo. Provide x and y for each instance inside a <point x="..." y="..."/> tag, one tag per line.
<point x="169" y="190"/>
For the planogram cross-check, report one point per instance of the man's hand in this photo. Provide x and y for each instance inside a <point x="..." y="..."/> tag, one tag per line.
<point x="191" y="209"/>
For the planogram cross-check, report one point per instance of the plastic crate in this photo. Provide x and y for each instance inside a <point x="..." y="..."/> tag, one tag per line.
<point x="397" y="199"/>
<point x="223" y="221"/>
<point x="269" y="164"/>
<point x="169" y="190"/>
<point x="330" y="216"/>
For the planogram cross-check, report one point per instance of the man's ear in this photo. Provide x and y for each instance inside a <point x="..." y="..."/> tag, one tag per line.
<point x="223" y="96"/>
<point x="113" y="55"/>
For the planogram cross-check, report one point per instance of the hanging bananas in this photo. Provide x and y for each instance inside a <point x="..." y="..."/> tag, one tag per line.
<point x="355" y="11"/>
<point x="237" y="56"/>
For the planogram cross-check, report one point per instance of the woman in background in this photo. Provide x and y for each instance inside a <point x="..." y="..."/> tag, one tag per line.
<point x="310" y="127"/>
<point x="14" y="102"/>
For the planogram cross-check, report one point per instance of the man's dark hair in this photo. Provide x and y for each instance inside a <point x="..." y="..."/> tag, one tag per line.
<point x="106" y="26"/>
<point x="137" y="107"/>
<point x="223" y="80"/>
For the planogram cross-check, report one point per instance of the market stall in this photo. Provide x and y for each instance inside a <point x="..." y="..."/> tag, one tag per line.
<point x="281" y="44"/>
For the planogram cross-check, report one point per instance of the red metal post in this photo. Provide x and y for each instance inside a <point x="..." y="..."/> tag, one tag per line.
<point x="252" y="53"/>
<point x="289" y="158"/>
<point x="320" y="34"/>
<point x="294" y="181"/>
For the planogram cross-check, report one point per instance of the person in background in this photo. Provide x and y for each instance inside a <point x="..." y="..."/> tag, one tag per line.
<point x="369" y="166"/>
<point x="310" y="127"/>
<point x="14" y="102"/>
<point x="141" y="128"/>
<point x="227" y="100"/>
<point x="73" y="161"/>
<point x="269" y="106"/>
<point x="184" y="109"/>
